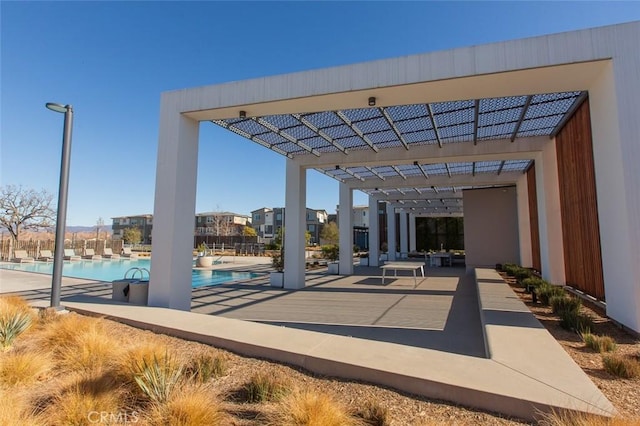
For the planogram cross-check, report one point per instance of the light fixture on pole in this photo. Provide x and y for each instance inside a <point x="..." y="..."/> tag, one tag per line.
<point x="243" y="114"/>
<point x="62" y="201"/>
<point x="372" y="101"/>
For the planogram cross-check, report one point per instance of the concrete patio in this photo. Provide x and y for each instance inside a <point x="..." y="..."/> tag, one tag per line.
<point x="439" y="339"/>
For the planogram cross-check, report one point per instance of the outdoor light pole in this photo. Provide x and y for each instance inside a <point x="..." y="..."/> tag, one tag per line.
<point x="62" y="201"/>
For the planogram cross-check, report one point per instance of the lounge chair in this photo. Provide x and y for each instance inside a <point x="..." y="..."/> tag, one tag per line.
<point x="109" y="254"/>
<point x="91" y="254"/>
<point x="46" y="256"/>
<point x="126" y="252"/>
<point x="70" y="254"/>
<point x="21" y="256"/>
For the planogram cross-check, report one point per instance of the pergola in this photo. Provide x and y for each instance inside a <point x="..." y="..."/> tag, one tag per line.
<point x="417" y="132"/>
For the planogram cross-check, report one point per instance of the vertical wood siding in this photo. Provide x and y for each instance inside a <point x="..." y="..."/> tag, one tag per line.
<point x="533" y="218"/>
<point x="579" y="206"/>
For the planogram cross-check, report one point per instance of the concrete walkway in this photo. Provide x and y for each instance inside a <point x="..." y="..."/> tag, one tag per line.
<point x="427" y="341"/>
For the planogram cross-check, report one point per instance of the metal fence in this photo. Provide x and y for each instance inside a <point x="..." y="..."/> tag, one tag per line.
<point x="33" y="247"/>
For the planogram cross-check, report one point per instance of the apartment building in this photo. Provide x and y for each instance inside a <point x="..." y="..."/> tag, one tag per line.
<point x="143" y="222"/>
<point x="268" y="221"/>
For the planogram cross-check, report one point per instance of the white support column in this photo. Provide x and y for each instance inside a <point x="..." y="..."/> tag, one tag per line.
<point x="524" y="222"/>
<point x="404" y="240"/>
<point x="295" y="225"/>
<point x="374" y="233"/>
<point x="549" y="215"/>
<point x="391" y="232"/>
<point x="174" y="209"/>
<point x="412" y="232"/>
<point x="614" y="102"/>
<point x="345" y="219"/>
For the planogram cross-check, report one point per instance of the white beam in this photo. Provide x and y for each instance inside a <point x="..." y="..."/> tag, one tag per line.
<point x="345" y="219"/>
<point x="404" y="240"/>
<point x="456" y="180"/>
<point x="499" y="149"/>
<point x="524" y="222"/>
<point x="174" y="209"/>
<point x="295" y="226"/>
<point x="412" y="232"/>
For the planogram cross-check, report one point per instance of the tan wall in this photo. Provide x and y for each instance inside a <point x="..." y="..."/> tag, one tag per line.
<point x="491" y="226"/>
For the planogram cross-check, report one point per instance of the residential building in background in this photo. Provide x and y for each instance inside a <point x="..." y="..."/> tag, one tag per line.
<point x="224" y="224"/>
<point x="267" y="221"/>
<point x="143" y="222"/>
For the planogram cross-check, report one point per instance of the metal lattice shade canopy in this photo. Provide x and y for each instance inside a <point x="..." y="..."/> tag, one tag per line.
<point x="405" y="126"/>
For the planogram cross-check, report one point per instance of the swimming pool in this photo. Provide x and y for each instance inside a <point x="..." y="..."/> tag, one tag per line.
<point x="110" y="270"/>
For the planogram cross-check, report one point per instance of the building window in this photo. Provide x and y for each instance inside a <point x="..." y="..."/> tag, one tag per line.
<point x="209" y="219"/>
<point x="256" y="217"/>
<point x="312" y="228"/>
<point x="364" y="213"/>
<point x="279" y="216"/>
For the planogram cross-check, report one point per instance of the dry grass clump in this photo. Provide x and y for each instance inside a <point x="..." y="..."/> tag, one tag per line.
<point x="312" y="408"/>
<point x="15" y="410"/>
<point x="566" y="418"/>
<point x="15" y="318"/>
<point x="621" y="366"/>
<point x="266" y="387"/>
<point x="23" y="367"/>
<point x="206" y="366"/>
<point x="189" y="406"/>
<point x="85" y="398"/>
<point x="598" y="343"/>
<point x="373" y="414"/>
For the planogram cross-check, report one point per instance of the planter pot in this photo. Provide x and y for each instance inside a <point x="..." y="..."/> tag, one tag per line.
<point x="276" y="279"/>
<point x="139" y="293"/>
<point x="364" y="261"/>
<point x="204" y="261"/>
<point x="333" y="268"/>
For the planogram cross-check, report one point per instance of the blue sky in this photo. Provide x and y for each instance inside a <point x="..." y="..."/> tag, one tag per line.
<point x="111" y="61"/>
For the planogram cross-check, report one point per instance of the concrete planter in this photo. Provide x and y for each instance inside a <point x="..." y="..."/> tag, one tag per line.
<point x="333" y="268"/>
<point x="276" y="279"/>
<point x="364" y="261"/>
<point x="204" y="261"/>
<point x="139" y="293"/>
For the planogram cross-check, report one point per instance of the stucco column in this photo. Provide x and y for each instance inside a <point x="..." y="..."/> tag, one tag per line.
<point x="404" y="240"/>
<point x="345" y="219"/>
<point x="412" y="232"/>
<point x="294" y="225"/>
<point x="391" y="232"/>
<point x="614" y="101"/>
<point x="374" y="233"/>
<point x="524" y="222"/>
<point x="549" y="215"/>
<point x="174" y="209"/>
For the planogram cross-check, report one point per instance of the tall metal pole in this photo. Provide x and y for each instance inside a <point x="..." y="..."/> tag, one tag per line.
<point x="62" y="204"/>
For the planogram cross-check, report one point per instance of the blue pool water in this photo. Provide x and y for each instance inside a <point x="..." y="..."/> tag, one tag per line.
<point x="110" y="270"/>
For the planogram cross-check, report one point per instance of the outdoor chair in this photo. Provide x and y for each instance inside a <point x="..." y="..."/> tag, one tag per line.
<point x="70" y="254"/>
<point x="46" y="256"/>
<point x="126" y="252"/>
<point x="109" y="254"/>
<point x="91" y="254"/>
<point x="21" y="256"/>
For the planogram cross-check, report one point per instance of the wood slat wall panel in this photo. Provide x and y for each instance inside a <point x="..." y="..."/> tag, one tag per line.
<point x="579" y="206"/>
<point x="533" y="218"/>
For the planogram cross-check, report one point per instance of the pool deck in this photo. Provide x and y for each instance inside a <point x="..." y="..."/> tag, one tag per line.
<point x="455" y="336"/>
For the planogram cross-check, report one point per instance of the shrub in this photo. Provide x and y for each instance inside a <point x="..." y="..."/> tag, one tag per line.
<point x="204" y="367"/>
<point x="16" y="411"/>
<point x="510" y="268"/>
<point x="533" y="282"/>
<point x="330" y="251"/>
<point x="598" y="343"/>
<point x="266" y="387"/>
<point x="92" y="348"/>
<point x="15" y="318"/>
<point x="188" y="406"/>
<point x="620" y="366"/>
<point x="564" y="303"/>
<point x="546" y="291"/>
<point x="373" y="414"/>
<point x="576" y="321"/>
<point x="23" y="367"/>
<point x="574" y="418"/>
<point x="158" y="377"/>
<point x="521" y="274"/>
<point x="311" y="408"/>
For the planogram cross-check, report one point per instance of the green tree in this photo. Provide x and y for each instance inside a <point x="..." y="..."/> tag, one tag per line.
<point x="330" y="233"/>
<point x="248" y="231"/>
<point x="132" y="235"/>
<point x="25" y="209"/>
<point x="307" y="238"/>
<point x="279" y="238"/>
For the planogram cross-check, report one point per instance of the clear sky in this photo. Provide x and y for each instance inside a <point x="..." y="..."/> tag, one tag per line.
<point x="111" y="61"/>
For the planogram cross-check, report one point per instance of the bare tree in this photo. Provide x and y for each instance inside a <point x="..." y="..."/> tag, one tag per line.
<point x="99" y="225"/>
<point x="22" y="208"/>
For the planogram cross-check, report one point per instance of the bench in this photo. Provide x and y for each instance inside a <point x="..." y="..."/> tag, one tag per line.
<point x="403" y="266"/>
